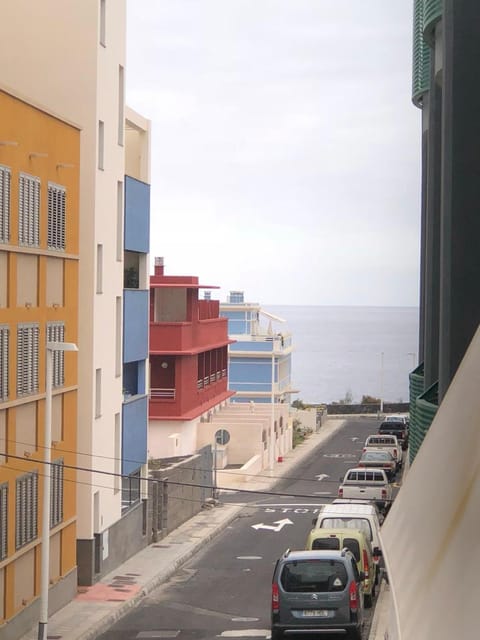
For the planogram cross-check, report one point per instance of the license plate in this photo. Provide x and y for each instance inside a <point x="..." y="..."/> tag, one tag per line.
<point x="315" y="613"/>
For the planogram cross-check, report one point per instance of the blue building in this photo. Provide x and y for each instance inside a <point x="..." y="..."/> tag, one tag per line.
<point x="135" y="311"/>
<point x="260" y="361"/>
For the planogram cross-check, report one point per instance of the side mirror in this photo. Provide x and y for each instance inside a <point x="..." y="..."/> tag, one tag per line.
<point x="314" y="521"/>
<point x="377" y="551"/>
<point x="362" y="576"/>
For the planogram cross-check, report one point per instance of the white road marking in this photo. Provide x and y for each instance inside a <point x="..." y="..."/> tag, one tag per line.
<point x="280" y="524"/>
<point x="151" y="635"/>
<point x="249" y="557"/>
<point x="246" y="633"/>
<point x="322" y="476"/>
<point x="245" y="619"/>
<point x="322" y="493"/>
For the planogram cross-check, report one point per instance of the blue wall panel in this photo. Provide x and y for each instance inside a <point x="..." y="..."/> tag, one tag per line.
<point x="134" y="434"/>
<point x="135" y="325"/>
<point x="137" y="216"/>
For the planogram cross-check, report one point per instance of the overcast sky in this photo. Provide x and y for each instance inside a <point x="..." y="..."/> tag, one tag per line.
<point x="285" y="146"/>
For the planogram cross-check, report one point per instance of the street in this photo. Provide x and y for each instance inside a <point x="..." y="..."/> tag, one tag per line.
<point x="225" y="590"/>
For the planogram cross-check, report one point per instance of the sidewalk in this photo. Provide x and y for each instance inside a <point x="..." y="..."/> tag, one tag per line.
<point x="96" y="608"/>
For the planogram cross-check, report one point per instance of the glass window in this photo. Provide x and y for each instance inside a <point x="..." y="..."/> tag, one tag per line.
<point x="326" y="544"/>
<point x="353" y="545"/>
<point x="346" y="522"/>
<point x="314" y="576"/>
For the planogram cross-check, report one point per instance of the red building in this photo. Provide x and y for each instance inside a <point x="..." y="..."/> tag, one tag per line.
<point x="188" y="361"/>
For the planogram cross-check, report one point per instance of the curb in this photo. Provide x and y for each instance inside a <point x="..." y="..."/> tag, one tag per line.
<point x="159" y="579"/>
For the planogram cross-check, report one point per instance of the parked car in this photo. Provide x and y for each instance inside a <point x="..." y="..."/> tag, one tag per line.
<point x="358" y="542"/>
<point x="353" y="514"/>
<point x="372" y="484"/>
<point x="393" y="417"/>
<point x="317" y="592"/>
<point x="387" y="442"/>
<point x="379" y="459"/>
<point x="395" y="428"/>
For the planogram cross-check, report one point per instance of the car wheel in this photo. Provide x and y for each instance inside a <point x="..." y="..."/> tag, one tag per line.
<point x="368" y="600"/>
<point x="277" y="634"/>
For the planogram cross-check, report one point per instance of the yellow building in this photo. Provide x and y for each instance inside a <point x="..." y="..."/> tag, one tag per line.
<point x="39" y="247"/>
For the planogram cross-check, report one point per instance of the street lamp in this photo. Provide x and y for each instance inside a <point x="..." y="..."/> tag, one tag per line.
<point x="381" y="382"/>
<point x="272" y="405"/>
<point x="45" y="561"/>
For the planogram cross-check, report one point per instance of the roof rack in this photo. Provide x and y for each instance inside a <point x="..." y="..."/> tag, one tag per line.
<point x="287" y="553"/>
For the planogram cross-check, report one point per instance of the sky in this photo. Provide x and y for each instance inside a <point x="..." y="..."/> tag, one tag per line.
<point x="285" y="150"/>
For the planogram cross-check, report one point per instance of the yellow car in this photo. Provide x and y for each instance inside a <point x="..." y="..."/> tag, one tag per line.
<point x="357" y="542"/>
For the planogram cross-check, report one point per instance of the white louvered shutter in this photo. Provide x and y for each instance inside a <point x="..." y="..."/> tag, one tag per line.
<point x="29" y="210"/>
<point x="56" y="333"/>
<point x="27" y="359"/>
<point x="3" y="521"/>
<point x="4" y="344"/>
<point x="56" y="217"/>
<point x="56" y="496"/>
<point x="5" y="177"/>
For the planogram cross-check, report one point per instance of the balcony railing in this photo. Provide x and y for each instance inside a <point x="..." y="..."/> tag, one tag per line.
<point x="162" y="394"/>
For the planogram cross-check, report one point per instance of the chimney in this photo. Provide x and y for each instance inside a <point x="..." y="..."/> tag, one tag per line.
<point x="159" y="266"/>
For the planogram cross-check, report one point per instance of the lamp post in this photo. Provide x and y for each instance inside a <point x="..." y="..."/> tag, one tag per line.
<point x="45" y="560"/>
<point x="381" y="382"/>
<point x="272" y="405"/>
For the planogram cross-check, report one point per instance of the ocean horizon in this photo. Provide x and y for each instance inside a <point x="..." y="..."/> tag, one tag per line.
<point x="352" y="351"/>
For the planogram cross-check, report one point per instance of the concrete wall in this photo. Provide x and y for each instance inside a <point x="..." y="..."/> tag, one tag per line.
<point x="181" y="491"/>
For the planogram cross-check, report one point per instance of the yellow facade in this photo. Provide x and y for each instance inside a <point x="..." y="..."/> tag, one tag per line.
<point x="38" y="286"/>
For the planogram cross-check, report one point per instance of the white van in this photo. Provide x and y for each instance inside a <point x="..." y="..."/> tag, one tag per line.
<point x="352" y="516"/>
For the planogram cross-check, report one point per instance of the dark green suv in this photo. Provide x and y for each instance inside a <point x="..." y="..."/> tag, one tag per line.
<point x="317" y="592"/>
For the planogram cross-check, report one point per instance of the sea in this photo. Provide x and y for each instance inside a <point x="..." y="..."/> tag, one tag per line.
<point x="349" y="352"/>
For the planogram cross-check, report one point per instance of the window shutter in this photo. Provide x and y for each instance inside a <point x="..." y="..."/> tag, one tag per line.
<point x="56" y="497"/>
<point x="5" y="177"/>
<point x="56" y="217"/>
<point x="28" y="210"/>
<point x="27" y="359"/>
<point x="4" y="344"/>
<point x="3" y="521"/>
<point x="56" y="333"/>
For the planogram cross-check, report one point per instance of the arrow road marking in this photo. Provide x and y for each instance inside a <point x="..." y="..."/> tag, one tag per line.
<point x="322" y="476"/>
<point x="280" y="524"/>
<point x="354" y="439"/>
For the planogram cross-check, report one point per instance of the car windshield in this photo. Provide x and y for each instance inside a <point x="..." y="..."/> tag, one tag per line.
<point x="347" y="522"/>
<point x="314" y="576"/>
<point x="376" y="455"/>
<point x="329" y="543"/>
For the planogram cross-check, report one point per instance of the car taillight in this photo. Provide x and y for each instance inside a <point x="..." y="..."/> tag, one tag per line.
<point x="340" y="492"/>
<point x="352" y="590"/>
<point x="361" y="464"/>
<point x="384" y="494"/>
<point x="275" y="606"/>
<point x="365" y="563"/>
<point x="395" y="453"/>
<point x="364" y="449"/>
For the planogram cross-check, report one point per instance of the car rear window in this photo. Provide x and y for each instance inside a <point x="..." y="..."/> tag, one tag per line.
<point x="346" y="522"/>
<point x="326" y="544"/>
<point x="314" y="576"/>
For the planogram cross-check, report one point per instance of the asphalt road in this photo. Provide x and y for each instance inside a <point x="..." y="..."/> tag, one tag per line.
<point x="225" y="590"/>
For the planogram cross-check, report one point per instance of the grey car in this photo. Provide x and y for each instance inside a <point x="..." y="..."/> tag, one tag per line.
<point x="317" y="592"/>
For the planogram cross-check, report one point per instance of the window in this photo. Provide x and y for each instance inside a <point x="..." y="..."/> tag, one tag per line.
<point x="56" y="493"/>
<point x="98" y="393"/>
<point x="3" y="520"/>
<point x="5" y="177"/>
<point x="119" y="221"/>
<point x="56" y="217"/>
<point x="103" y="22"/>
<point x="99" y="268"/>
<point x="121" y="104"/>
<point x="27" y="359"/>
<point x="56" y="333"/>
<point x="4" y="343"/>
<point x="314" y="576"/>
<point x="130" y="490"/>
<point x="28" y="210"/>
<point x="101" y="144"/>
<point x="26" y="509"/>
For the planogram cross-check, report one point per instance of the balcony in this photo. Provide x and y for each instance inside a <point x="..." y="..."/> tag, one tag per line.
<point x="187" y="337"/>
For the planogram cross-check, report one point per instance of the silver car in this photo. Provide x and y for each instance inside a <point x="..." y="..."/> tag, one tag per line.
<point x="317" y="592"/>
